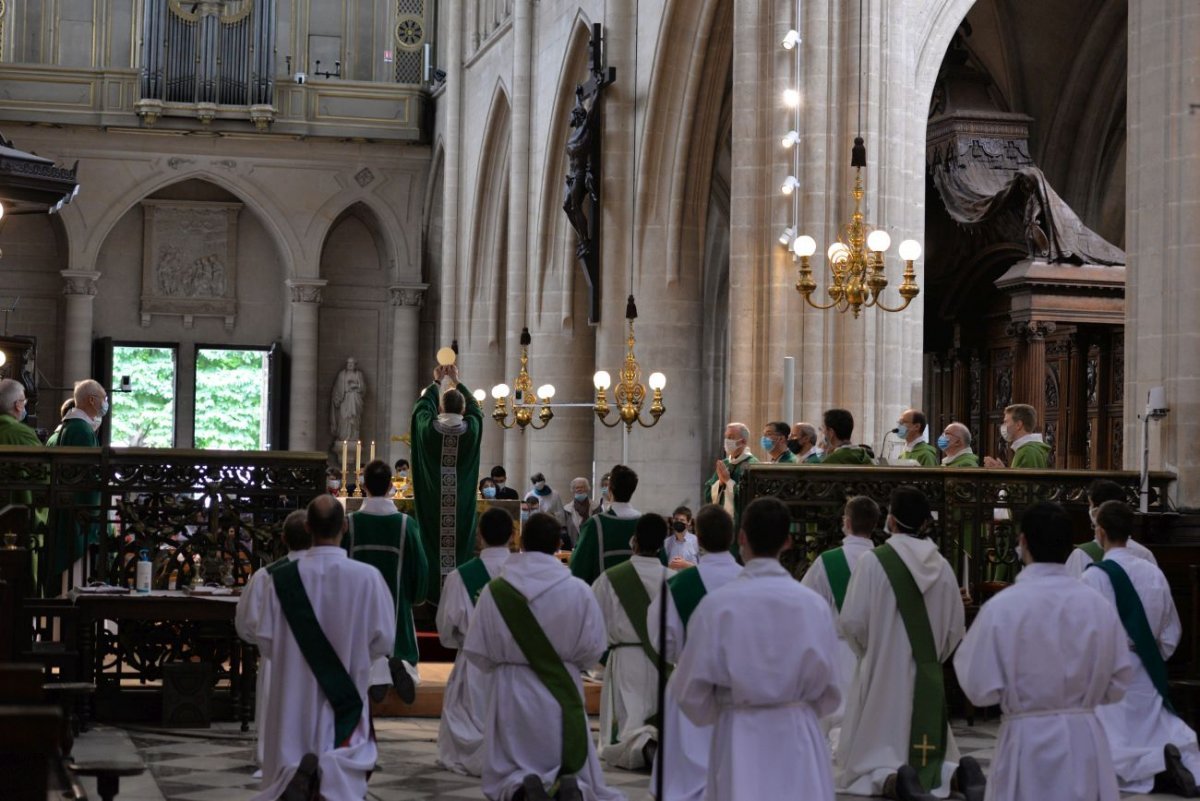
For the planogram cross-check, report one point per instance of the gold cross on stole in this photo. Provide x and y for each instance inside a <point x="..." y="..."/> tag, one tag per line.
<point x="924" y="748"/>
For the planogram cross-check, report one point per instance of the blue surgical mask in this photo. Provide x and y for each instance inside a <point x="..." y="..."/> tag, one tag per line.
<point x="902" y="431"/>
<point x="943" y="442"/>
<point x="104" y="407"/>
<point x="24" y="414"/>
<point x="489" y="492"/>
<point x="767" y="444"/>
<point x="524" y="515"/>
<point x="581" y="496"/>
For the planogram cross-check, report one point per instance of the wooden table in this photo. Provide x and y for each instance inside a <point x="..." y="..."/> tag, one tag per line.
<point x="142" y="659"/>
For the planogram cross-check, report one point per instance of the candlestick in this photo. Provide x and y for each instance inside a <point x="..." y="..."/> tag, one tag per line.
<point x="372" y="451"/>
<point x="358" y="468"/>
<point x="345" y="478"/>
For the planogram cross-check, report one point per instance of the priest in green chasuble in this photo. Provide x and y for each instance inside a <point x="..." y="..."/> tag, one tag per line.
<point x="446" y="431"/>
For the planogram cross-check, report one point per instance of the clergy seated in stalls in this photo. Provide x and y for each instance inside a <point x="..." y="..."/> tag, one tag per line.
<point x="838" y="431"/>
<point x="683" y="754"/>
<point x="464" y="708"/>
<point x="629" y="698"/>
<point x="316" y="723"/>
<point x="297" y="539"/>
<point x="759" y="666"/>
<point x="1019" y="431"/>
<point x="389" y="540"/>
<point x="911" y="428"/>
<point x="604" y="537"/>
<point x="1049" y="655"/>
<point x="447" y="427"/>
<point x="955" y="445"/>
<point x="829" y="576"/>
<point x="1153" y="750"/>
<point x="902" y="617"/>
<point x="536" y="629"/>
<point x="1086" y="553"/>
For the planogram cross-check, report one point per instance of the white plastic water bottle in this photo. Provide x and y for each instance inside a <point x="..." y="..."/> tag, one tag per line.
<point x="143" y="571"/>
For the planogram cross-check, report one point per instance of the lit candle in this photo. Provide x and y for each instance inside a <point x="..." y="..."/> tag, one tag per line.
<point x="345" y="444"/>
<point x="357" y="457"/>
<point x="372" y="451"/>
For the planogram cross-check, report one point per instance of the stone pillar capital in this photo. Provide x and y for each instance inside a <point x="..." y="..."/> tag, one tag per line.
<point x="79" y="282"/>
<point x="407" y="294"/>
<point x="1031" y="330"/>
<point x="306" y="290"/>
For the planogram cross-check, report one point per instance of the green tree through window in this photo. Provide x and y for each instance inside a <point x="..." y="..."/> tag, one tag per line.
<point x="231" y="397"/>
<point x="144" y="417"/>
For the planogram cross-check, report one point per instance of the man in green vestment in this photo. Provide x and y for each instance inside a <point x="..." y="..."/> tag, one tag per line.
<point x="839" y="428"/>
<point x="955" y="443"/>
<point x="446" y="431"/>
<point x="722" y="487"/>
<point x="604" y="537"/>
<point x="1028" y="449"/>
<point x="78" y="522"/>
<point x="775" y="443"/>
<point x="911" y="428"/>
<point x="380" y="535"/>
<point x="13" y="431"/>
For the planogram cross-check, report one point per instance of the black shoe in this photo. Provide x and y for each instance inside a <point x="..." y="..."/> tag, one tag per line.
<point x="1175" y="778"/>
<point x="649" y="752"/>
<point x="568" y="789"/>
<point x="532" y="789"/>
<point x="402" y="681"/>
<point x="908" y="785"/>
<point x="304" y="783"/>
<point x="969" y="780"/>
<point x="377" y="692"/>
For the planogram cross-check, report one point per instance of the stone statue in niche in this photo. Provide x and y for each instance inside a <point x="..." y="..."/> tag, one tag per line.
<point x="346" y="403"/>
<point x="189" y="263"/>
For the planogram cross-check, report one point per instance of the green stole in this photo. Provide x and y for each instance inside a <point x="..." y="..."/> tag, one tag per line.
<point x="927" y="733"/>
<point x="687" y="590"/>
<point x="475" y="576"/>
<point x="550" y="670"/>
<point x="1092" y="549"/>
<point x="326" y="666"/>
<point x="631" y="592"/>
<point x="1133" y="618"/>
<point x="837" y="570"/>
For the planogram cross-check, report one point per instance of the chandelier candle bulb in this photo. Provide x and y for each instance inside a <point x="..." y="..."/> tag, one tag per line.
<point x="910" y="250"/>
<point x="878" y="241"/>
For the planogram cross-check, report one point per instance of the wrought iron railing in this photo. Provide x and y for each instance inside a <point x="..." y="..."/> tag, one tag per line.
<point x="976" y="510"/>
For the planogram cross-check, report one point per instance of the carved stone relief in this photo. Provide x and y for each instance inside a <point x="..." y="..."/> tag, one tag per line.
<point x="189" y="261"/>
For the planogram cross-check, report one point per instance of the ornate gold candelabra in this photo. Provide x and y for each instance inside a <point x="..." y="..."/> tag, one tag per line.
<point x="629" y="393"/>
<point x="524" y="400"/>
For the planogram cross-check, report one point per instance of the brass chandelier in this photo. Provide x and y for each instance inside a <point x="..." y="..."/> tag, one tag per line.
<point x="629" y="393"/>
<point x="524" y="400"/>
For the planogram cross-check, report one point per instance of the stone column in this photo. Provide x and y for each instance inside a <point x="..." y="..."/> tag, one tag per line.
<point x="1162" y="328"/>
<point x="80" y="288"/>
<point x="1029" y="365"/>
<point x="302" y="415"/>
<point x="406" y="300"/>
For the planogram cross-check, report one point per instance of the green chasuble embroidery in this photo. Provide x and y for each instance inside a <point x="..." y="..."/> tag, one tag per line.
<point x="550" y="670"/>
<point x="318" y="652"/>
<point x="837" y="570"/>
<point x="1133" y="618"/>
<point x="475" y="577"/>
<point x="927" y="733"/>
<point x="687" y="591"/>
<point x="1092" y="549"/>
<point x="392" y="544"/>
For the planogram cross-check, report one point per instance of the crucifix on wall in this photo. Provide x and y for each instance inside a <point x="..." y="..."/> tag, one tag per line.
<point x="581" y="190"/>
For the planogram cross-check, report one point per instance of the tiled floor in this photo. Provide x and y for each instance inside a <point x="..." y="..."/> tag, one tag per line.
<point x="218" y="764"/>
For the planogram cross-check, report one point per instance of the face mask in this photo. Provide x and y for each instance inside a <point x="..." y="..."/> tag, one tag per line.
<point x="731" y="445"/>
<point x="1092" y="513"/>
<point x="581" y="496"/>
<point x="678" y="526"/>
<point x="24" y="414"/>
<point x="104" y="407"/>
<point x="539" y="485"/>
<point x="335" y="485"/>
<point x="524" y="516"/>
<point x="794" y="446"/>
<point x="499" y="484"/>
<point x="902" y="431"/>
<point x="489" y="492"/>
<point x="1004" y="433"/>
<point x="403" y="474"/>
<point x="943" y="442"/>
<point x="767" y="444"/>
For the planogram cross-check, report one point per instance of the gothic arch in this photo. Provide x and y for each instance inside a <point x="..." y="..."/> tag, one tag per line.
<point x="368" y="217"/>
<point x="395" y="250"/>
<point x="486" y="261"/>
<point x="942" y="19"/>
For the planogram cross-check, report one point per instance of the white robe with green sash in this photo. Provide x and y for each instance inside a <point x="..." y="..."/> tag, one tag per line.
<point x="874" y="741"/>
<point x="297" y="718"/>
<point x="523" y="731"/>
<point x="460" y="732"/>
<point x="630" y="693"/>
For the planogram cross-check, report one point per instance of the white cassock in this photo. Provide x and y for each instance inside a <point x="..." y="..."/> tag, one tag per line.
<point x="297" y="718"/>
<point x="874" y="741"/>
<point x="1079" y="559"/>
<point x="759" y="667"/>
<point x="249" y="609"/>
<point x="460" y="733"/>
<point x="1048" y="654"/>
<point x="630" y="693"/>
<point x="684" y="746"/>
<point x="523" y="727"/>
<point x="817" y="580"/>
<point x="1138" y="726"/>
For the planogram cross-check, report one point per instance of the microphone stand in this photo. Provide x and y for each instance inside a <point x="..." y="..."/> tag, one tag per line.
<point x="662" y="685"/>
